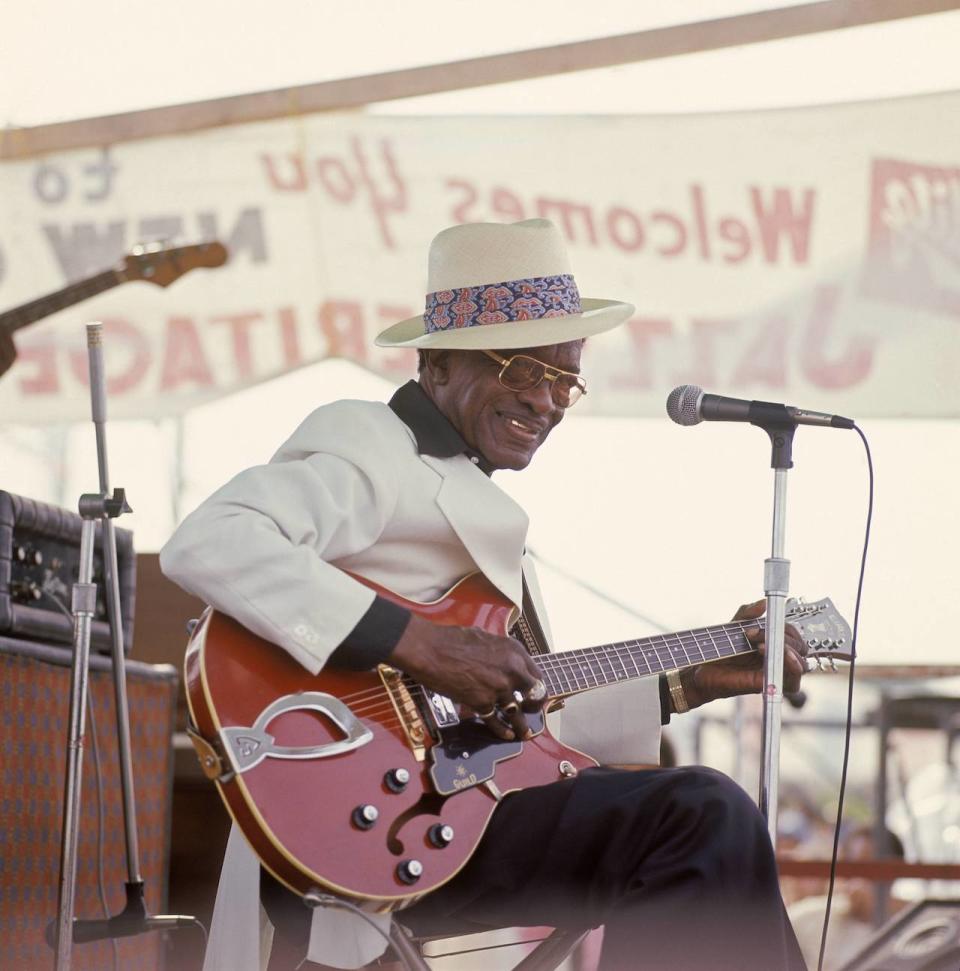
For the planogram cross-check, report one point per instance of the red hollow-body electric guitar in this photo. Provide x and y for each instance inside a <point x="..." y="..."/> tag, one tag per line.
<point x="370" y="786"/>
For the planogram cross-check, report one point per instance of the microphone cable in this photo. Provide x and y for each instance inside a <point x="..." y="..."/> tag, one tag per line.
<point x="847" y="730"/>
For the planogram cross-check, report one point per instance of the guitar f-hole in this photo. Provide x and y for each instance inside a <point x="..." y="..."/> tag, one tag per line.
<point x="429" y="804"/>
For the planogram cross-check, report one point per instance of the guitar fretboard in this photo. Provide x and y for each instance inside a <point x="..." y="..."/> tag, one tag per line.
<point x="27" y="313"/>
<point x="569" y="672"/>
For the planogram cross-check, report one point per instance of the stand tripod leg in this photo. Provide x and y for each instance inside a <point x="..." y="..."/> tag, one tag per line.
<point x="84" y="605"/>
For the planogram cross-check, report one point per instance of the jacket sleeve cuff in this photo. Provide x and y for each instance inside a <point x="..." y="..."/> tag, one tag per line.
<point x="664" y="700"/>
<point x="373" y="638"/>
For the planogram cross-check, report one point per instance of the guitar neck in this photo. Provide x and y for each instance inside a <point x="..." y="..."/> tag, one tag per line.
<point x="27" y="313"/>
<point x="570" y="672"/>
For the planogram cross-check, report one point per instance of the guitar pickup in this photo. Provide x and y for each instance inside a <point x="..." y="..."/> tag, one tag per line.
<point x="441" y="711"/>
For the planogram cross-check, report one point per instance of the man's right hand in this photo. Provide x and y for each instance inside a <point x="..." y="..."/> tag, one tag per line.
<point x="472" y="667"/>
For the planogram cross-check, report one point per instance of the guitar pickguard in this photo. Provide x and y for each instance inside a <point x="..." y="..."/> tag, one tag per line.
<point x="467" y="754"/>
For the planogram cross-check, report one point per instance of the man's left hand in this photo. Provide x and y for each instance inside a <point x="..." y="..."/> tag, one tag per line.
<point x="743" y="674"/>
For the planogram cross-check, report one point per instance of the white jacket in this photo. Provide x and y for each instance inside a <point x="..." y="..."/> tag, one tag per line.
<point x="349" y="491"/>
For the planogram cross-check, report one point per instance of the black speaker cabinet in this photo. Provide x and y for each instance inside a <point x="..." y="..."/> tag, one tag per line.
<point x="34" y="707"/>
<point x="39" y="563"/>
<point x="925" y="937"/>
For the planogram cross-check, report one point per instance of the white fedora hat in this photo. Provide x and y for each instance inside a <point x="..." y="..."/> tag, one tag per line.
<point x="496" y="285"/>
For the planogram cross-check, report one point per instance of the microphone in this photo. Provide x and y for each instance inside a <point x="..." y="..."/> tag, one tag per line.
<point x="690" y="405"/>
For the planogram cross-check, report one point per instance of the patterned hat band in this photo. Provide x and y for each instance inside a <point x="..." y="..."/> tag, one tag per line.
<point x="500" y="303"/>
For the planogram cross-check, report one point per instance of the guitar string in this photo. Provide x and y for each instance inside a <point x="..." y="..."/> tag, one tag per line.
<point x="601" y="652"/>
<point x="575" y="672"/>
<point x="557" y="663"/>
<point x="561" y="666"/>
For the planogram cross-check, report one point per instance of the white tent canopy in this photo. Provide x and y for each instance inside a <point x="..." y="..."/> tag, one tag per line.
<point x="676" y="522"/>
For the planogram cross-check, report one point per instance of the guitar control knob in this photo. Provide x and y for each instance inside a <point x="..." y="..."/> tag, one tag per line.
<point x="396" y="780"/>
<point x="409" y="871"/>
<point x="364" y="817"/>
<point x="440" y="834"/>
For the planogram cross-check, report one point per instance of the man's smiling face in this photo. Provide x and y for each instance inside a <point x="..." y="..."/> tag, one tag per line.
<point x="505" y="426"/>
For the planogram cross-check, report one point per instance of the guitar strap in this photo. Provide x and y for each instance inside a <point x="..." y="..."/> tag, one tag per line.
<point x="527" y="629"/>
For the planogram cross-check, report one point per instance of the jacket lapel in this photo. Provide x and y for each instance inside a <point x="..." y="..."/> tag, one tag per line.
<point x="491" y="526"/>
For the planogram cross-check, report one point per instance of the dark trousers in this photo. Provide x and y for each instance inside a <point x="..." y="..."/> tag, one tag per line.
<point x="676" y="864"/>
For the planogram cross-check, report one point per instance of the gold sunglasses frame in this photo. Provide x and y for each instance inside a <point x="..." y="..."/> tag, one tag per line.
<point x="505" y="362"/>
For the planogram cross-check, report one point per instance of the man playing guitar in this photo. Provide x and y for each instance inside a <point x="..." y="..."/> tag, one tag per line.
<point x="676" y="864"/>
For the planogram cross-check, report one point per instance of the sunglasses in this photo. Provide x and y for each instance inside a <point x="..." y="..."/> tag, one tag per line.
<point x="523" y="373"/>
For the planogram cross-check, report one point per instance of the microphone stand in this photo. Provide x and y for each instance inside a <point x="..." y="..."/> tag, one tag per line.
<point x="104" y="508"/>
<point x="776" y="586"/>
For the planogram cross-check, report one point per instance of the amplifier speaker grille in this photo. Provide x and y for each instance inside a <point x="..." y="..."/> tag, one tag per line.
<point x="34" y="717"/>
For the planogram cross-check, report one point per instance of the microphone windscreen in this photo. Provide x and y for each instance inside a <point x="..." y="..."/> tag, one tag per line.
<point x="683" y="404"/>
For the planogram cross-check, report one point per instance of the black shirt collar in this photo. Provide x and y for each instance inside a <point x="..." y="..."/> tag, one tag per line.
<point x="434" y="434"/>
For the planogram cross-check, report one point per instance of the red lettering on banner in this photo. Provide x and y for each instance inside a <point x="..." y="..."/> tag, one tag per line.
<point x="336" y="179"/>
<point x="121" y="336"/>
<point x="734" y="231"/>
<point x="571" y="215"/>
<point x="299" y="181"/>
<point x="914" y="219"/>
<point x="459" y="213"/>
<point x="239" y="325"/>
<point x="643" y="332"/>
<point x="289" y="340"/>
<point x="777" y="228"/>
<point x="779" y="219"/>
<point x="680" y="232"/>
<point x="381" y="204"/>
<point x="704" y="334"/>
<point x="855" y="361"/>
<point x="700" y="220"/>
<point x="618" y="215"/>
<point x="341" y="184"/>
<point x="341" y="322"/>
<point x="184" y="360"/>
<point x="43" y="358"/>
<point x="764" y="362"/>
<point x="504" y="203"/>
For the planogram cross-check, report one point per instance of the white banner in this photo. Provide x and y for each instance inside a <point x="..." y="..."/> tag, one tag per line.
<point x="809" y="256"/>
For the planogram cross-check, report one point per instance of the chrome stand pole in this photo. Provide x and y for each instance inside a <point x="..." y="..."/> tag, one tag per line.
<point x="104" y="509"/>
<point x="776" y="584"/>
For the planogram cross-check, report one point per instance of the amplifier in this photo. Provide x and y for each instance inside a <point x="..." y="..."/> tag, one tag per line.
<point x="34" y="715"/>
<point x="40" y="562"/>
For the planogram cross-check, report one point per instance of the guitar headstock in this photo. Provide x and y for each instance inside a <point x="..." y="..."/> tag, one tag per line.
<point x="162" y="265"/>
<point x="827" y="634"/>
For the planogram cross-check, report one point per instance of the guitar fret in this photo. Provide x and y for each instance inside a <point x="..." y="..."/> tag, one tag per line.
<point x="623" y="667"/>
<point x="568" y="672"/>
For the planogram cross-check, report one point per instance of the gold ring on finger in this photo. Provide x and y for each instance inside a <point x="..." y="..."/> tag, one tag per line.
<point x="537" y="691"/>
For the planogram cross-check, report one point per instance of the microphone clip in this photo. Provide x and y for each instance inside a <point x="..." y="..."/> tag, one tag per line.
<point x="780" y="431"/>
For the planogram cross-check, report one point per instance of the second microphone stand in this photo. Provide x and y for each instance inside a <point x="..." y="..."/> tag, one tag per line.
<point x="100" y="508"/>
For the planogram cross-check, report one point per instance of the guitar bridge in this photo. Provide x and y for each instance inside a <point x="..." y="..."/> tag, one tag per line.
<point x="406" y="708"/>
